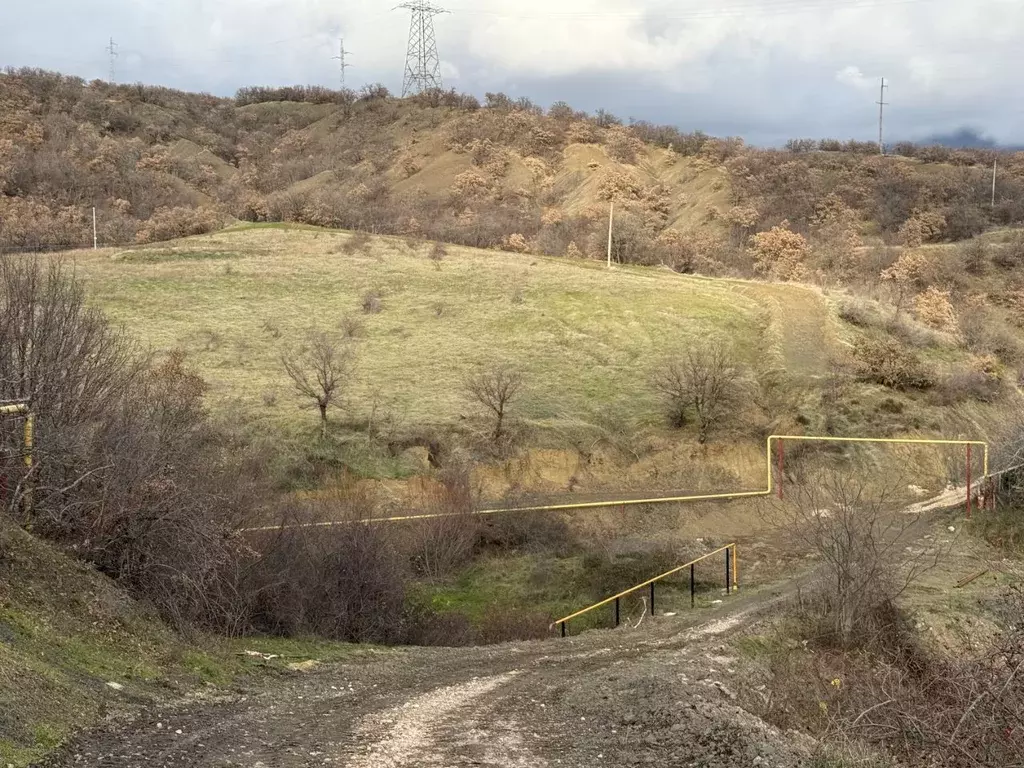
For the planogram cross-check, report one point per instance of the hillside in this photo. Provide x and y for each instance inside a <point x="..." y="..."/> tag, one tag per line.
<point x="325" y="307"/>
<point x="76" y="649"/>
<point x="159" y="164"/>
<point x="587" y="342"/>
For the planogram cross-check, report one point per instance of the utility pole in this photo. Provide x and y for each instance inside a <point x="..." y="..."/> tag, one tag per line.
<point x="882" y="104"/>
<point x="994" y="164"/>
<point x="112" y="50"/>
<point x="342" y="53"/>
<point x="94" y="240"/>
<point x="611" y="216"/>
<point x="422" y="64"/>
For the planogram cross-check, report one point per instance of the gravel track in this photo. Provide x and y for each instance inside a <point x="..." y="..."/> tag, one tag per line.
<point x="661" y="694"/>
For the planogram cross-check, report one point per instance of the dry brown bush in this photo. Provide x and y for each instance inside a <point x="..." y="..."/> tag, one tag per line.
<point x="781" y="254"/>
<point x="623" y="145"/>
<point x="516" y="243"/>
<point x="934" y="309"/>
<point x="922" y="227"/>
<point x="889" y="363"/>
<point x="906" y="276"/>
<point x="172" y="223"/>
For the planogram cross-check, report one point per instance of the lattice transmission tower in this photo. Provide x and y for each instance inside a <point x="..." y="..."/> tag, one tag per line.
<point x="422" y="64"/>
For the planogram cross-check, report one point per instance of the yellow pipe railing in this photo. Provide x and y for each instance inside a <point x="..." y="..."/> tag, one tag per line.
<point x="659" y="499"/>
<point x="28" y="437"/>
<point x="732" y="583"/>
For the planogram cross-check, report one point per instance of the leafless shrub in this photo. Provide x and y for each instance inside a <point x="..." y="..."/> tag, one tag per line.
<point x="496" y="390"/>
<point x="346" y="582"/>
<point x="525" y="532"/>
<point x="172" y="223"/>
<point x="357" y="242"/>
<point x="1010" y="255"/>
<point x="319" y="372"/>
<point x="371" y="302"/>
<point x="446" y="541"/>
<point x="269" y="398"/>
<point x="351" y="327"/>
<point x="272" y="328"/>
<point x="437" y="254"/>
<point x="705" y="382"/>
<point x="127" y="470"/>
<point x="861" y="540"/>
<point x="502" y="625"/>
<point x="963" y="386"/>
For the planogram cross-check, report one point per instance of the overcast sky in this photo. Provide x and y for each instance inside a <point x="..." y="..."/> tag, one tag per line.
<point x="766" y="70"/>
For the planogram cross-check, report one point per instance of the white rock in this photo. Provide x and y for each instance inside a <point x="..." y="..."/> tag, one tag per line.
<point x="952" y="528"/>
<point x="115" y="686"/>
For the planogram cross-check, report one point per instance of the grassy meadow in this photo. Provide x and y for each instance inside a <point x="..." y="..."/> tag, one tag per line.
<point x="585" y="338"/>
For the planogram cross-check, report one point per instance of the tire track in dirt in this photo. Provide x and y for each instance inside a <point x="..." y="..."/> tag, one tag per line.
<point x="437" y="728"/>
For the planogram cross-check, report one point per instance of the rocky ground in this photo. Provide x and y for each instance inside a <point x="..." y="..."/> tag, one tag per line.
<point x="659" y="694"/>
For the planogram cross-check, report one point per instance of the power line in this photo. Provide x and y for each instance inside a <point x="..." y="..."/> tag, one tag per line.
<point x="750" y="8"/>
<point x="342" y="53"/>
<point x="112" y="50"/>
<point x="422" y="64"/>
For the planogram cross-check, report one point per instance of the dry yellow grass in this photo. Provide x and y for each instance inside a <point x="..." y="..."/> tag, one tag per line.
<point x="585" y="338"/>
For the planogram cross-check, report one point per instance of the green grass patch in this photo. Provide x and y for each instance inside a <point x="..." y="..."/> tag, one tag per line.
<point x="157" y="256"/>
<point x="586" y="340"/>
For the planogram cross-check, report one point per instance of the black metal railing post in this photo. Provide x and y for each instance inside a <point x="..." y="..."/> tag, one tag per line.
<point x="563" y="629"/>
<point x="693" y="585"/>
<point x="652" y="599"/>
<point x="616" y="611"/>
<point x="728" y="571"/>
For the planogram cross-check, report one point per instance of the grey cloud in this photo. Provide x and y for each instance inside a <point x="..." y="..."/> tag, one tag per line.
<point x="744" y="69"/>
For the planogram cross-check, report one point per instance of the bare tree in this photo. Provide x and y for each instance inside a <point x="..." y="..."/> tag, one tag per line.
<point x="319" y="373"/>
<point x="495" y="390"/>
<point x="861" y="538"/>
<point x="705" y="381"/>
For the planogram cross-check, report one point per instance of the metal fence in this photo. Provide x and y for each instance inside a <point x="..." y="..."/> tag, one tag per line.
<point x="731" y="583"/>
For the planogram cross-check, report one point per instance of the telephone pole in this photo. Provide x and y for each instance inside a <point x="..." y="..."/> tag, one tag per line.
<point x="611" y="218"/>
<point x="994" y="165"/>
<point x="422" y="64"/>
<point x="882" y="104"/>
<point x="112" y="50"/>
<point x="342" y="53"/>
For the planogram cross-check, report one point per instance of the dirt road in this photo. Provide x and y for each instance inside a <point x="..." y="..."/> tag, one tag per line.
<point x="661" y="694"/>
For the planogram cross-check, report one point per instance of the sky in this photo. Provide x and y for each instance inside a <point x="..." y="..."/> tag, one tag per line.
<point x="766" y="70"/>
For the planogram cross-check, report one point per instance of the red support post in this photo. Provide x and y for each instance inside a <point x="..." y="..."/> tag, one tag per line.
<point x="779" y="451"/>
<point x="968" y="481"/>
